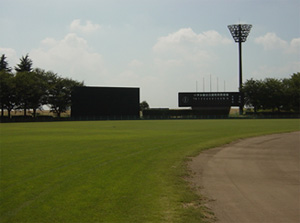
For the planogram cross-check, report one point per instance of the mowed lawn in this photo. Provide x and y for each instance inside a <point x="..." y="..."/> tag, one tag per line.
<point x="110" y="171"/>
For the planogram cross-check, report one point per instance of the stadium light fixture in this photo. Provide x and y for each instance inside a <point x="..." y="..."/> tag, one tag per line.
<point x="240" y="33"/>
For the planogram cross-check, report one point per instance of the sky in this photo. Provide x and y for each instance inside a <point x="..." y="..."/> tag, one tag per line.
<point x="161" y="46"/>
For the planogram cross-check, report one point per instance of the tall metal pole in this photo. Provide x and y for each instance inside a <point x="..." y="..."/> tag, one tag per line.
<point x="239" y="33"/>
<point x="241" y="78"/>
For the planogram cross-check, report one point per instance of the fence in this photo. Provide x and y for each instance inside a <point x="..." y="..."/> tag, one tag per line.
<point x="147" y="117"/>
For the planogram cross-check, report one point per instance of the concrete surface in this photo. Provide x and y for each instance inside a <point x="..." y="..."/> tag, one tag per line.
<point x="252" y="180"/>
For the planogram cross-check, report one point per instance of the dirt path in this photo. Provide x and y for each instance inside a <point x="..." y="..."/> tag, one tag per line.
<point x="252" y="180"/>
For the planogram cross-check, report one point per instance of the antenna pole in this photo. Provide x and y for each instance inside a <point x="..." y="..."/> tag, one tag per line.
<point x="210" y="82"/>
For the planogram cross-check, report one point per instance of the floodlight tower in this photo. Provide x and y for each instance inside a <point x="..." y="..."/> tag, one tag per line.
<point x="240" y="33"/>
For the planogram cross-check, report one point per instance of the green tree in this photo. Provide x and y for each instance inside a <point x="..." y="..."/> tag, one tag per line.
<point x="25" y="64"/>
<point x="252" y="90"/>
<point x="292" y="92"/>
<point x="23" y="90"/>
<point x="144" y="105"/>
<point x="7" y="87"/>
<point x="31" y="90"/>
<point x="39" y="89"/>
<point x="7" y="92"/>
<point x="4" y="64"/>
<point x="24" y="83"/>
<point x="273" y="94"/>
<point x="295" y="88"/>
<point x="60" y="90"/>
<point x="30" y="85"/>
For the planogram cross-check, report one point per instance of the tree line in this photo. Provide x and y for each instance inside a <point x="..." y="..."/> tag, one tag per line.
<point x="273" y="94"/>
<point x="31" y="88"/>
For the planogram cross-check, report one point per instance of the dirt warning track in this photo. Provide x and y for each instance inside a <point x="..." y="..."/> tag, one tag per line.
<point x="252" y="180"/>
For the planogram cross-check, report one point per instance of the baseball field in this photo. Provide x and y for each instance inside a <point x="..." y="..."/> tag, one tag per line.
<point x="111" y="171"/>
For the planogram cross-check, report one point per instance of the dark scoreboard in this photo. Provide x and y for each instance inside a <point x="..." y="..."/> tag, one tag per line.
<point x="209" y="99"/>
<point x="105" y="101"/>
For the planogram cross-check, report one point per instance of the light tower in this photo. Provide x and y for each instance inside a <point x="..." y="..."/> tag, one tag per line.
<point x="240" y="33"/>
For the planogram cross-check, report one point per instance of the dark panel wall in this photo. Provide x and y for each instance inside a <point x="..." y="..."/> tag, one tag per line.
<point x="105" y="101"/>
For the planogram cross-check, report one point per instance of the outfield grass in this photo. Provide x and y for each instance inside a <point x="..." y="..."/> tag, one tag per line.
<point x="110" y="171"/>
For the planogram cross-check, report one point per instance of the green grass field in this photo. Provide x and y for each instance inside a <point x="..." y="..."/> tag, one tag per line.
<point x="110" y="171"/>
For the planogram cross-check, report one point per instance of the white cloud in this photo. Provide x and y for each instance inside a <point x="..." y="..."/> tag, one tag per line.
<point x="187" y="36"/>
<point x="49" y="42"/>
<point x="183" y="57"/>
<point x="70" y="57"/>
<point x="11" y="56"/>
<point x="271" y="41"/>
<point x="295" y="45"/>
<point x="187" y="47"/>
<point x="276" y="71"/>
<point x="88" y="28"/>
<point x="185" y="52"/>
<point x="8" y="52"/>
<point x="135" y="64"/>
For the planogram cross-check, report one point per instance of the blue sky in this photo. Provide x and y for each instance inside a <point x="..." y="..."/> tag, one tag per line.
<point x="162" y="46"/>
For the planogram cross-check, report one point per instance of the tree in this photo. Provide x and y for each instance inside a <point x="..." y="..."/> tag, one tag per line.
<point x="31" y="85"/>
<point x="30" y="90"/>
<point x="60" y="90"/>
<point x="25" y="64"/>
<point x="292" y="92"/>
<point x="23" y="90"/>
<point x="4" y="64"/>
<point x="252" y="90"/>
<point x="272" y="94"/>
<point x="7" y="92"/>
<point x="39" y="89"/>
<point x="144" y="105"/>
<point x="295" y="89"/>
<point x="7" y="87"/>
<point x="24" y="82"/>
